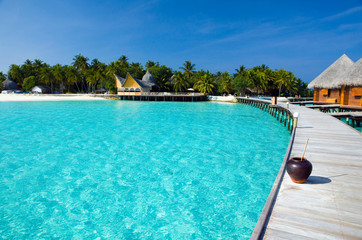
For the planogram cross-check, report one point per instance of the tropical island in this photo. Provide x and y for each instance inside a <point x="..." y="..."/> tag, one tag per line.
<point x="85" y="76"/>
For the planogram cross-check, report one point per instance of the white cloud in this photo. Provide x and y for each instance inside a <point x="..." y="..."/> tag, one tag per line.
<point x="342" y="14"/>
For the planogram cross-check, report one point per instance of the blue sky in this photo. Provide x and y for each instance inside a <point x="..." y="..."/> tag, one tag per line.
<point x="304" y="37"/>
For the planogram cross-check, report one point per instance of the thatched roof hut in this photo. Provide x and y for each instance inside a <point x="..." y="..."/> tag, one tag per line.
<point x="148" y="79"/>
<point x="354" y="77"/>
<point x="9" y="84"/>
<point x="335" y="75"/>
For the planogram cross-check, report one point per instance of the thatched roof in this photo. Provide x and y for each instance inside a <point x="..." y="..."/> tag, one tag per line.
<point x="354" y="77"/>
<point x="335" y="75"/>
<point x="9" y="84"/>
<point x="148" y="79"/>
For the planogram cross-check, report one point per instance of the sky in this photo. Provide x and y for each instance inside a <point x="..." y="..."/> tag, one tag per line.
<point x="303" y="37"/>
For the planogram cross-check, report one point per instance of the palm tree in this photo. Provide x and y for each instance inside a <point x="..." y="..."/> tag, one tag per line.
<point x="259" y="77"/>
<point x="81" y="64"/>
<point x="179" y="82"/>
<point x="123" y="59"/>
<point x="29" y="83"/>
<point x="15" y="73"/>
<point x="225" y="83"/>
<point x="96" y="73"/>
<point x="72" y="77"/>
<point x="136" y="70"/>
<point x="2" y="78"/>
<point x="240" y="71"/>
<point x="27" y="69"/>
<point x="189" y="69"/>
<point x="57" y="72"/>
<point x="38" y="64"/>
<point x="205" y="84"/>
<point x="46" y="76"/>
<point x="285" y="79"/>
<point x="150" y="64"/>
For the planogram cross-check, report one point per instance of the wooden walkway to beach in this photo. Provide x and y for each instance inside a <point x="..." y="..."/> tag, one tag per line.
<point x="329" y="204"/>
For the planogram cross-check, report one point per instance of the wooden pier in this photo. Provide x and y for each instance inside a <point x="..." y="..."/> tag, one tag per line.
<point x="352" y="118"/>
<point x="280" y="113"/>
<point x="335" y="108"/>
<point x="163" y="96"/>
<point x="329" y="204"/>
<point x="326" y="107"/>
<point x="303" y="103"/>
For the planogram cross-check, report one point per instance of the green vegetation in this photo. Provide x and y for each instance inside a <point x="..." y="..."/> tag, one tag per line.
<point x="2" y="78"/>
<point x="87" y="76"/>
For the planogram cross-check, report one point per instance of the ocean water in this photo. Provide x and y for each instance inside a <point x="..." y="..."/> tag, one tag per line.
<point x="135" y="170"/>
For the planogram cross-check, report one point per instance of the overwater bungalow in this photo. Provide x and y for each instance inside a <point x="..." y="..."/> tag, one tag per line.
<point x="340" y="83"/>
<point x="133" y="86"/>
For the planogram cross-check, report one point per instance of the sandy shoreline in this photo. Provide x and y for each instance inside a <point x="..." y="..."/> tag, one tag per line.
<point x="48" y="97"/>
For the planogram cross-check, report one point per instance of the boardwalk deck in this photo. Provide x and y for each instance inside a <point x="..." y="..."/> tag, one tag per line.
<point x="303" y="103"/>
<point x="346" y="114"/>
<point x="329" y="204"/>
<point x="163" y="96"/>
<point x="324" y="106"/>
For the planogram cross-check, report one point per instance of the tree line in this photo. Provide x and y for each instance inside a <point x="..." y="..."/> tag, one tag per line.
<point x="87" y="76"/>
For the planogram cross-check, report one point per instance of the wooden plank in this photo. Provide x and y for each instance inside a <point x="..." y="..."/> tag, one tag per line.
<point x="346" y="114"/>
<point x="324" y="106"/>
<point x="329" y="204"/>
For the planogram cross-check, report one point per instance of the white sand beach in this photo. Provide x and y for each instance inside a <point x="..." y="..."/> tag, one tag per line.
<point x="48" y="97"/>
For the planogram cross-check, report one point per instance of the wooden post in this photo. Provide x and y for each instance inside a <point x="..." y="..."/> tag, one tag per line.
<point x="285" y="119"/>
<point x="296" y="116"/>
<point x="274" y="100"/>
<point x="288" y="122"/>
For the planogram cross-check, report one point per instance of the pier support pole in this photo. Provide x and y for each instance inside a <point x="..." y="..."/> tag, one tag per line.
<point x="296" y="116"/>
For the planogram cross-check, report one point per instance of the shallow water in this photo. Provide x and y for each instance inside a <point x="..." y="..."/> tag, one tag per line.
<point x="135" y="170"/>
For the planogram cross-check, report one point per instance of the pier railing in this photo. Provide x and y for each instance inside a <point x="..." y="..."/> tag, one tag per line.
<point x="286" y="116"/>
<point x="280" y="113"/>
<point x="167" y="94"/>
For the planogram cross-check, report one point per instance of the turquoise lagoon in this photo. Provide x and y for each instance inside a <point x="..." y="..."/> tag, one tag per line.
<point x="135" y="170"/>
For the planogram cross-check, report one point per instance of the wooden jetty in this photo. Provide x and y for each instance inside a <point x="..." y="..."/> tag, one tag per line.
<point x="335" y="108"/>
<point x="298" y="100"/>
<point x="355" y="117"/>
<point x="346" y="114"/>
<point x="329" y="204"/>
<point x="326" y="107"/>
<point x="280" y="113"/>
<point x="303" y="103"/>
<point x="163" y="96"/>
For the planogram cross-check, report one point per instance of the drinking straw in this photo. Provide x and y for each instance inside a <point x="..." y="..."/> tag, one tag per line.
<point x="305" y="147"/>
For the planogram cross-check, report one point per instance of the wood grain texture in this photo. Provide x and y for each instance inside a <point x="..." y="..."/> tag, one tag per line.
<point x="329" y="204"/>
